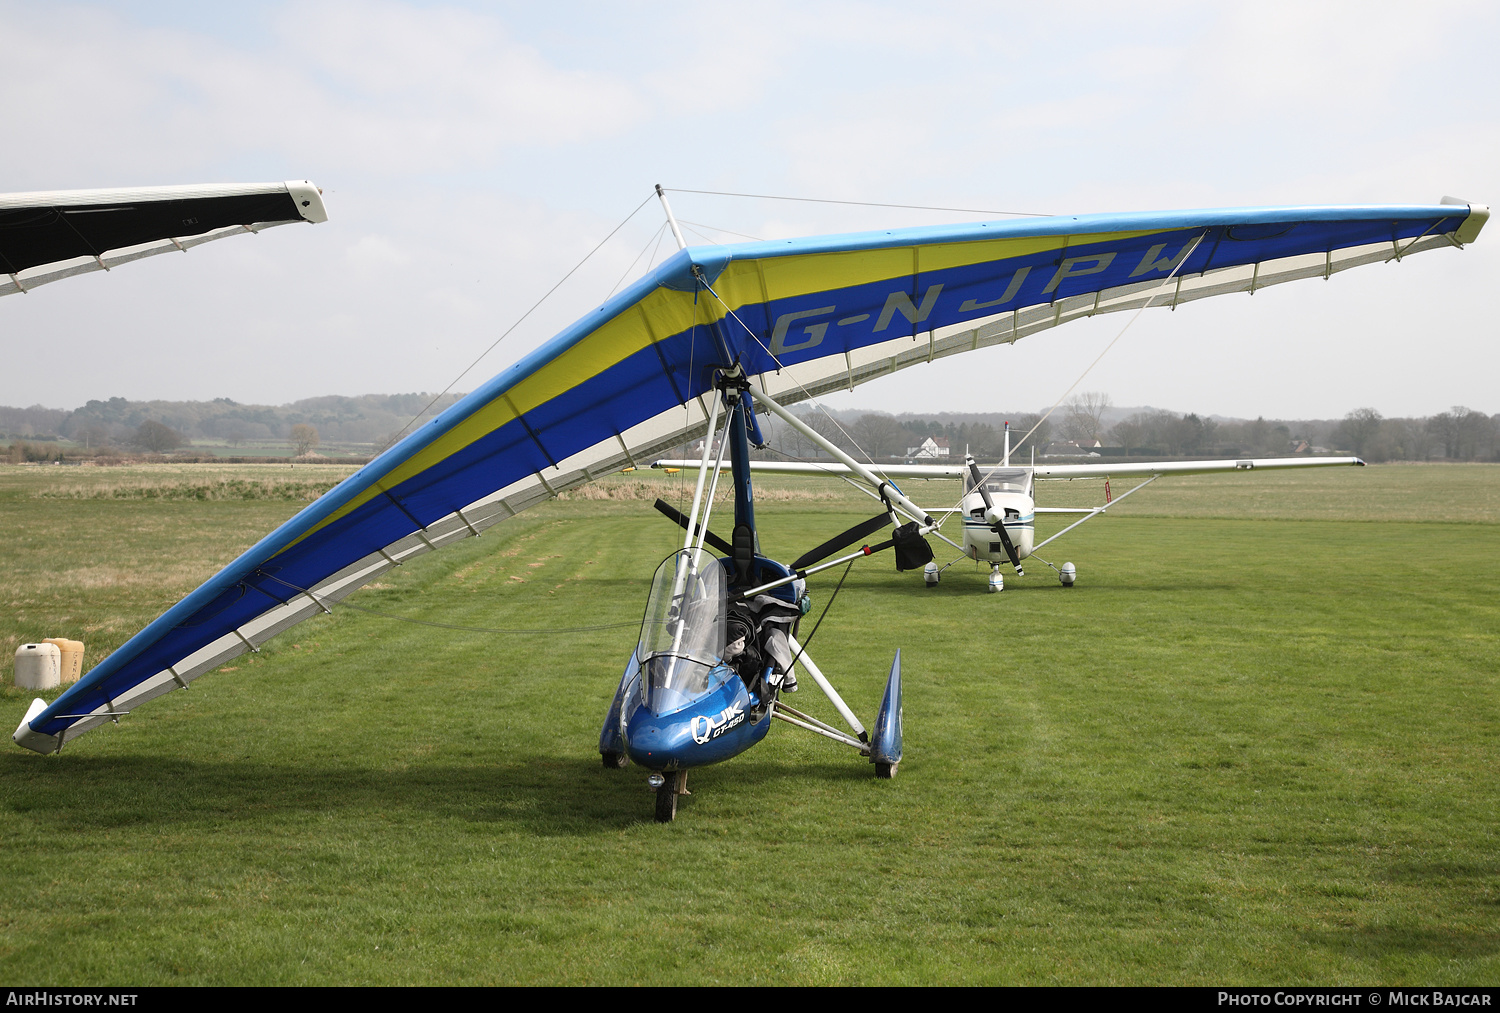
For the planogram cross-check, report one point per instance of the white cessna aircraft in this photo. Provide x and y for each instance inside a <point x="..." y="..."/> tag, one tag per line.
<point x="999" y="502"/>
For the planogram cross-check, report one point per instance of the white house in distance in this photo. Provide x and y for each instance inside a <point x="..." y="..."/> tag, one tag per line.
<point x="931" y="447"/>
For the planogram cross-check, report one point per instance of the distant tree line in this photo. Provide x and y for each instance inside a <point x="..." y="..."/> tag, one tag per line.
<point x="369" y="421"/>
<point x="1459" y="434"/>
<point x="882" y="436"/>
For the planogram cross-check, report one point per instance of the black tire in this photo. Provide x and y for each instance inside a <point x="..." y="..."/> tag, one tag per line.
<point x="614" y="761"/>
<point x="666" y="798"/>
<point x="885" y="770"/>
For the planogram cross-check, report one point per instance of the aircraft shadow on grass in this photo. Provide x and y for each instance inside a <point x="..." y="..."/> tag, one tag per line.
<point x="1374" y="941"/>
<point x="536" y="795"/>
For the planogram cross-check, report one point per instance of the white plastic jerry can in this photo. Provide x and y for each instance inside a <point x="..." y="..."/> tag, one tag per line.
<point x="72" y="657"/>
<point x="38" y="666"/>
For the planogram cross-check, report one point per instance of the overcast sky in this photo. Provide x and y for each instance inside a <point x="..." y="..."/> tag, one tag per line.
<point x="471" y="154"/>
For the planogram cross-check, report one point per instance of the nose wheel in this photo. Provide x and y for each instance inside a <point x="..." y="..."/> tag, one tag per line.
<point x="673" y="784"/>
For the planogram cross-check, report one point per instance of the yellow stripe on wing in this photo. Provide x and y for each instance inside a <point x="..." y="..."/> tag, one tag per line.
<point x="660" y="314"/>
<point x="754" y="281"/>
<point x="663" y="312"/>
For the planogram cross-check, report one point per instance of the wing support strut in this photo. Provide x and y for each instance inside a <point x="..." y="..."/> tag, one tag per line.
<point x="885" y="488"/>
<point x="1094" y="513"/>
<point x="827" y="688"/>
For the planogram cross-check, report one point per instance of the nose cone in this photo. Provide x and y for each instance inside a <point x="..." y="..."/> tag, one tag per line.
<point x="658" y="742"/>
<point x="713" y="728"/>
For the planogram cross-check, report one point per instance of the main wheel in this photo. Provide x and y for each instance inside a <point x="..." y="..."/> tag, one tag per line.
<point x="666" y="798"/>
<point x="614" y="761"/>
<point x="885" y="770"/>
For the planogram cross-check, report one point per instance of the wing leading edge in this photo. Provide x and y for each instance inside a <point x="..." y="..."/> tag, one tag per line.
<point x="627" y="381"/>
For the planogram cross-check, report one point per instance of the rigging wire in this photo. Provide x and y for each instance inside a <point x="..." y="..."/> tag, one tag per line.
<point x="654" y="236"/>
<point x="859" y="203"/>
<point x="1134" y="317"/>
<point x="660" y="236"/>
<point x="444" y="626"/>
<point x="522" y="318"/>
<point x="715" y="228"/>
<point x="486" y="629"/>
<point x="700" y="235"/>
<point x="809" y="394"/>
<point x="835" y="594"/>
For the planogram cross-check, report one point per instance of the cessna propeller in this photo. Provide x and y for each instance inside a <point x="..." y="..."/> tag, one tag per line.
<point x="995" y="517"/>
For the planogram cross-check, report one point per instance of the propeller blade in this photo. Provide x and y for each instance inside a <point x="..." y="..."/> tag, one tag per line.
<point x="989" y="508"/>
<point x="682" y="522"/>
<point x="1010" y="548"/>
<point x="834" y="544"/>
<point x="979" y="485"/>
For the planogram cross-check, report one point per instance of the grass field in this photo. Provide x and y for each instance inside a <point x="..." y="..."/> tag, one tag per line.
<point x="1256" y="744"/>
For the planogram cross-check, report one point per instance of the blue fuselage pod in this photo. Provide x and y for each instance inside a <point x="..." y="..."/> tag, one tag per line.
<point x="707" y="729"/>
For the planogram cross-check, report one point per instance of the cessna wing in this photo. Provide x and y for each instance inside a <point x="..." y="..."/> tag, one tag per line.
<point x="633" y="378"/>
<point x="1044" y="472"/>
<point x="1124" y="469"/>
<point x="54" y="234"/>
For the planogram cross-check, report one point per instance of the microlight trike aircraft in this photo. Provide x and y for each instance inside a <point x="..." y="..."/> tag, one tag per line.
<point x="998" y="508"/>
<point x="715" y="332"/>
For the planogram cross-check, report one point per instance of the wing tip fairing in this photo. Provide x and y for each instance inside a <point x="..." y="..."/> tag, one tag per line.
<point x="37" y="741"/>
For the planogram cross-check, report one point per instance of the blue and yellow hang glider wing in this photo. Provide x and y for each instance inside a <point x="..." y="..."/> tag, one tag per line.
<point x="631" y="380"/>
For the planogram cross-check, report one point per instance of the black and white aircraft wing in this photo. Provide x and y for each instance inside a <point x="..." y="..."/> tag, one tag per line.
<point x="53" y="234"/>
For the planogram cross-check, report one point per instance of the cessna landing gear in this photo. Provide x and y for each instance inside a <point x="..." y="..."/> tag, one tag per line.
<point x="1068" y="574"/>
<point x="931" y="574"/>
<point x="614" y="761"/>
<point x="997" y="579"/>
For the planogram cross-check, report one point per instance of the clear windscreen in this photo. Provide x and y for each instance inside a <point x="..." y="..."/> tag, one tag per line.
<point x="1001" y="480"/>
<point x="685" y="613"/>
<point x="682" y="634"/>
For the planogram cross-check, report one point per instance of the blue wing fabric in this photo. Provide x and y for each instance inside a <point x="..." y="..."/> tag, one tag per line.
<point x="629" y="380"/>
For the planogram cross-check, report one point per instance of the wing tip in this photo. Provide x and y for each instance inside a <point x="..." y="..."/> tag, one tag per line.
<point x="1478" y="215"/>
<point x="309" y="200"/>
<point x="26" y="736"/>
